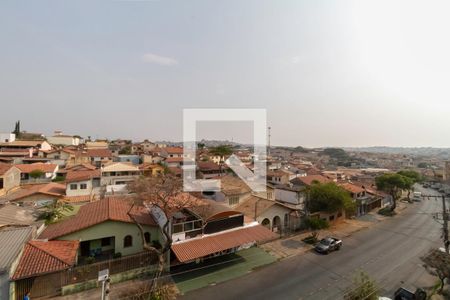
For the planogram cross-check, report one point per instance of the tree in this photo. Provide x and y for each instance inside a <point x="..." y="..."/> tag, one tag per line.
<point x="125" y="150"/>
<point x="17" y="129"/>
<point x="329" y="197"/>
<point x="55" y="211"/>
<point x="162" y="194"/>
<point x="439" y="262"/>
<point x="393" y="184"/>
<point x="413" y="175"/>
<point x="363" y="288"/>
<point x="37" y="174"/>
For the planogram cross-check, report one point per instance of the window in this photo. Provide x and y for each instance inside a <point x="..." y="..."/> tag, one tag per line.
<point x="233" y="200"/>
<point x="73" y="186"/>
<point x="83" y="186"/>
<point x="128" y="241"/>
<point x="177" y="228"/>
<point x="147" y="237"/>
<point x="106" y="242"/>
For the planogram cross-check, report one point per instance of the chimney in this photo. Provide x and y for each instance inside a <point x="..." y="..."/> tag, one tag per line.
<point x="30" y="152"/>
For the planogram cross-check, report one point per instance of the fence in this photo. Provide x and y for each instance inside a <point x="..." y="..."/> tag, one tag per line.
<point x="89" y="272"/>
<point x="50" y="285"/>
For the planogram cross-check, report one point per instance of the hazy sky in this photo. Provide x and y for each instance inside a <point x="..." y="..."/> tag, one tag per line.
<point x="329" y="73"/>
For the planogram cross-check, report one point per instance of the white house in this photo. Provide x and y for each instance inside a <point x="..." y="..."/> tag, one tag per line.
<point x="61" y="139"/>
<point x="7" y="137"/>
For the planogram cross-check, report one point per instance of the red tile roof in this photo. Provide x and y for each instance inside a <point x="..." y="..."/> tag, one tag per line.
<point x="28" y="168"/>
<point x="173" y="150"/>
<point x="73" y="176"/>
<point x="308" y="180"/>
<point x="98" y="153"/>
<point x="174" y="159"/>
<point x="4" y="168"/>
<point x="352" y="188"/>
<point x="42" y="257"/>
<point x="199" y="247"/>
<point x="108" y="209"/>
<point x="51" y="189"/>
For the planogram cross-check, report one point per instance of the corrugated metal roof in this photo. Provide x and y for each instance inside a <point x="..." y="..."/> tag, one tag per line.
<point x="11" y="243"/>
<point x="196" y="248"/>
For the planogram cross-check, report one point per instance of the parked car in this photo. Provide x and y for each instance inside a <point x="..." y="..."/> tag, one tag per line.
<point x="328" y="244"/>
<point x="404" y="294"/>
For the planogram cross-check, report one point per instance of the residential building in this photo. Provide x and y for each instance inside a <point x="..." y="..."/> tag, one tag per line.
<point x="273" y="215"/>
<point x="7" y="137"/>
<point x="104" y="228"/>
<point x="309" y="179"/>
<point x="277" y="177"/>
<point x="9" y="178"/>
<point x="63" y="139"/>
<point x="41" y="257"/>
<point x="26" y="172"/>
<point x="24" y="145"/>
<point x="82" y="183"/>
<point x="96" y="144"/>
<point x="12" y="241"/>
<point x="208" y="229"/>
<point x="36" y="195"/>
<point x="116" y="175"/>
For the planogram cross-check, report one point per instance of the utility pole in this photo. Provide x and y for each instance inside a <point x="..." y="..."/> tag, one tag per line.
<point x="268" y="149"/>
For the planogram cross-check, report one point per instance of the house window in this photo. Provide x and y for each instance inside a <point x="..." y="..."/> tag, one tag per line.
<point x="73" y="186"/>
<point x="147" y="237"/>
<point x="83" y="186"/>
<point x="106" y="242"/>
<point x="233" y="200"/>
<point x="128" y="241"/>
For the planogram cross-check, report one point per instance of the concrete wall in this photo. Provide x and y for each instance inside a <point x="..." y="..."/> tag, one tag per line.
<point x="117" y="229"/>
<point x="289" y="196"/>
<point x="63" y="140"/>
<point x="78" y="191"/>
<point x="11" y="179"/>
<point x="272" y="212"/>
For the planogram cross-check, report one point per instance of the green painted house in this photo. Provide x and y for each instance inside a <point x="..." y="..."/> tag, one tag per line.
<point x="105" y="228"/>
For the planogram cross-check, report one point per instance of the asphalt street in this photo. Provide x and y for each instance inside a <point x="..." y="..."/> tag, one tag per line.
<point x="389" y="252"/>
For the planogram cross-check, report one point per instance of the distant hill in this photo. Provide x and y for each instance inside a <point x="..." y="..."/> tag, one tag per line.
<point x="419" y="151"/>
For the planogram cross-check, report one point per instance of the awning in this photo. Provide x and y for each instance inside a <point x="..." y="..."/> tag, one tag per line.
<point x="200" y="247"/>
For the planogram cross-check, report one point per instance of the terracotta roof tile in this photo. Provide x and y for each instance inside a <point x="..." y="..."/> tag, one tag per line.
<point x="112" y="208"/>
<point x="46" y="168"/>
<point x="308" y="180"/>
<point x="173" y="150"/>
<point x="51" y="189"/>
<point x="73" y="176"/>
<point x="42" y="257"/>
<point x="199" y="247"/>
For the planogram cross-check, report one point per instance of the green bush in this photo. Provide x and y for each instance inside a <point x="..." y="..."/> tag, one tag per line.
<point x="58" y="179"/>
<point x="36" y="173"/>
<point x="117" y="255"/>
<point x="316" y="224"/>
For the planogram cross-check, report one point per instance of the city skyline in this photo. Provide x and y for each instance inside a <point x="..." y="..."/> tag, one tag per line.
<point x="328" y="75"/>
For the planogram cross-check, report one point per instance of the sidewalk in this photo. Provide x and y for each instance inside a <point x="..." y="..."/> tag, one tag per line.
<point x="293" y="245"/>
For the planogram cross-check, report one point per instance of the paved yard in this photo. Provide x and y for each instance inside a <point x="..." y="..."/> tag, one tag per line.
<point x="221" y="269"/>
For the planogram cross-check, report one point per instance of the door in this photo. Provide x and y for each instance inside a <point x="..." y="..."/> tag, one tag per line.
<point x="85" y="248"/>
